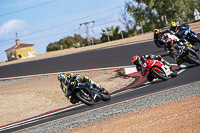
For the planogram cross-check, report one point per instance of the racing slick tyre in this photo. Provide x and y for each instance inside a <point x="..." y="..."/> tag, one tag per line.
<point x="160" y="75"/>
<point x="85" y="97"/>
<point x="196" y="39"/>
<point x="192" y="58"/>
<point x="105" y="95"/>
<point x="174" y="74"/>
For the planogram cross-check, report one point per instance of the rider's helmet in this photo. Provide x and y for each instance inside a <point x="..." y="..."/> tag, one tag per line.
<point x="168" y="42"/>
<point x="156" y="31"/>
<point x="62" y="77"/>
<point x="136" y="60"/>
<point x="174" y="26"/>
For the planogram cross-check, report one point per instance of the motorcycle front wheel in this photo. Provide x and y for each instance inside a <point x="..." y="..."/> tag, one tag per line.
<point x="160" y="75"/>
<point x="105" y="95"/>
<point x="84" y="97"/>
<point x="192" y="58"/>
<point x="196" y="39"/>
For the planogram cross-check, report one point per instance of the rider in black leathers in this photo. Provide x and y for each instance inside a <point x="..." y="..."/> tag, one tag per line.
<point x="159" y="37"/>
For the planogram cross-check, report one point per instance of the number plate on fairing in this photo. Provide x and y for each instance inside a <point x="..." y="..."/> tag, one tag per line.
<point x="166" y="70"/>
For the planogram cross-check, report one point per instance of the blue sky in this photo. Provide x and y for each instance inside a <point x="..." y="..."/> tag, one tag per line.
<point x="40" y="22"/>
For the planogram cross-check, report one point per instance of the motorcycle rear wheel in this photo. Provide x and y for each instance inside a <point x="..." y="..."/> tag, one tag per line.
<point x="174" y="74"/>
<point x="84" y="97"/>
<point x="160" y="75"/>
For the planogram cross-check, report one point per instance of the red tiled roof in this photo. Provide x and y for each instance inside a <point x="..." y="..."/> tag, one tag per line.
<point x="21" y="45"/>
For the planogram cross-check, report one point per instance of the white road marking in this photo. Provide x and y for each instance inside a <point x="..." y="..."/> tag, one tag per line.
<point x="76" y="71"/>
<point x="127" y="44"/>
<point x="129" y="68"/>
<point x="36" y="119"/>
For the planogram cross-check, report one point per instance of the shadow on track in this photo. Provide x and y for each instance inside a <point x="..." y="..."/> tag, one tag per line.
<point x="189" y="67"/>
<point x="159" y="51"/>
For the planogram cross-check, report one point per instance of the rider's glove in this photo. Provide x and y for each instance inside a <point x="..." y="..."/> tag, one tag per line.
<point x="158" y="57"/>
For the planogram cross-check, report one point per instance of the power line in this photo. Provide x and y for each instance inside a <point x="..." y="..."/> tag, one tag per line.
<point x="67" y="32"/>
<point x="62" y="23"/>
<point x="27" y="8"/>
<point x="107" y="23"/>
<point x="45" y="36"/>
<point x="50" y="35"/>
<point x="73" y="30"/>
<point x="9" y="40"/>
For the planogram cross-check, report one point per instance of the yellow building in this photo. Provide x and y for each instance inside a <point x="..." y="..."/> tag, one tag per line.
<point x="20" y="51"/>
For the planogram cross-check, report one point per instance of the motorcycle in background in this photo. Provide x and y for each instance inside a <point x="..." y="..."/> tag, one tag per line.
<point x="186" y="54"/>
<point x="188" y="34"/>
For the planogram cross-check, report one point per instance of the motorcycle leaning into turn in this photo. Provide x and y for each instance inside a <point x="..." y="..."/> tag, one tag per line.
<point x="88" y="94"/>
<point x="185" y="54"/>
<point x="159" y="70"/>
<point x="188" y="34"/>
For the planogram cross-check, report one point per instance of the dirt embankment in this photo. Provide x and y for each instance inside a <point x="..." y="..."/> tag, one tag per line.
<point x="28" y="97"/>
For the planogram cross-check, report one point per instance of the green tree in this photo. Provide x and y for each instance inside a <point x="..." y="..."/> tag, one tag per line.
<point x="67" y="42"/>
<point x="80" y="40"/>
<point x="53" y="47"/>
<point x="113" y="33"/>
<point x="128" y="22"/>
<point x="153" y="14"/>
<point x="174" y="10"/>
<point x="143" y="16"/>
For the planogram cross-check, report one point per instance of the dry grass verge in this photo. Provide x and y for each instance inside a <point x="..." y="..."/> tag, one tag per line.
<point x="28" y="97"/>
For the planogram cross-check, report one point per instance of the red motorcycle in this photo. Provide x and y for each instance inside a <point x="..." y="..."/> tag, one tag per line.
<point x="159" y="70"/>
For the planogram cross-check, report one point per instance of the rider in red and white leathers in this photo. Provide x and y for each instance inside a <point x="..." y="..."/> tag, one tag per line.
<point x="141" y="64"/>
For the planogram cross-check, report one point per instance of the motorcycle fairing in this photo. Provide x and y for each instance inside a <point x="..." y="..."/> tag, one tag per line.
<point x="85" y="86"/>
<point x="155" y="65"/>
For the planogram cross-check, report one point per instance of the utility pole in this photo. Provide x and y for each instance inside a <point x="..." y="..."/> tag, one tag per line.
<point x="141" y="27"/>
<point x="122" y="34"/>
<point x="87" y="31"/>
<point x="108" y="30"/>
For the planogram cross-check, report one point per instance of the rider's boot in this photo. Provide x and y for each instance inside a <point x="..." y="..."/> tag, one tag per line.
<point x="179" y="61"/>
<point x="167" y="63"/>
<point x="73" y="100"/>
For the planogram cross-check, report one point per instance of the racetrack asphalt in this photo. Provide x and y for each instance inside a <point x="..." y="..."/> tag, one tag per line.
<point x="116" y="56"/>
<point x="109" y="57"/>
